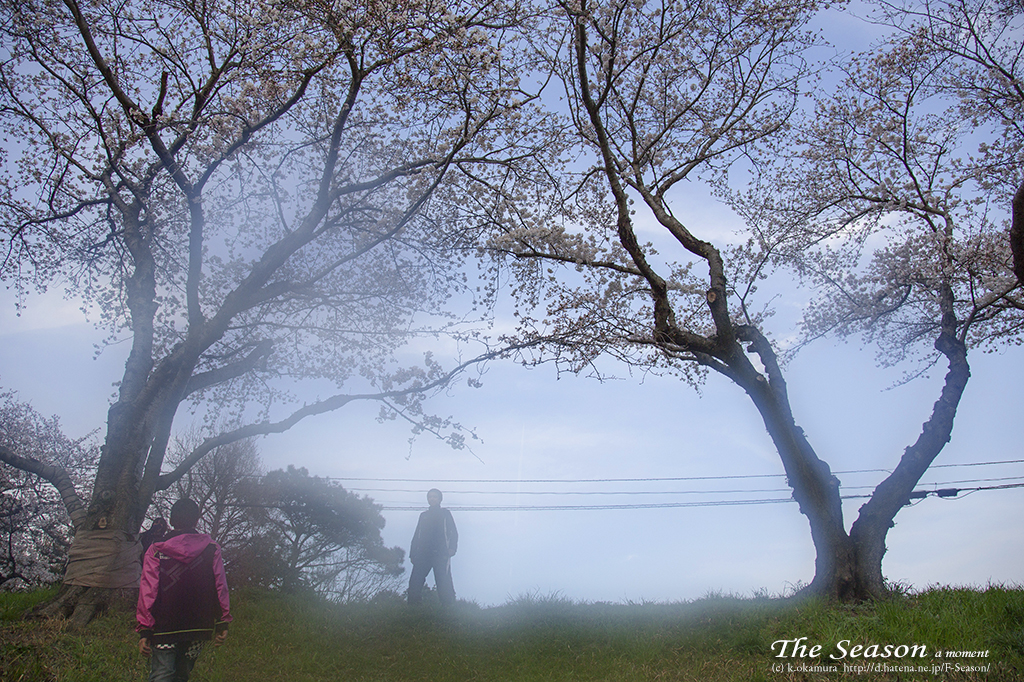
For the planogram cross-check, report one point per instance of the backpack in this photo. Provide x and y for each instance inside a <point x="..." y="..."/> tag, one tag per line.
<point x="186" y="606"/>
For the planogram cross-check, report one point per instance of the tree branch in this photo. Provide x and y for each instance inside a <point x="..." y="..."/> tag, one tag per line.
<point x="56" y="475"/>
<point x="320" y="407"/>
<point x="230" y="371"/>
<point x="1017" y="233"/>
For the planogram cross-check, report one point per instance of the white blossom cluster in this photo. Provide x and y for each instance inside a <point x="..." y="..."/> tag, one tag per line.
<point x="895" y="197"/>
<point x="35" y="531"/>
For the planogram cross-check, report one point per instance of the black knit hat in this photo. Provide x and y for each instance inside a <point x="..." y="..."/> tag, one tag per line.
<point x="184" y="514"/>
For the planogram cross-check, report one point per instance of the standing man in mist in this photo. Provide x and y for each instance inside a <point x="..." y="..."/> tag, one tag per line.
<point x="433" y="545"/>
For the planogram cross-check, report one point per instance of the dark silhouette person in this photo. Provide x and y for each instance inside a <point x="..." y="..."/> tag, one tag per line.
<point x="183" y="597"/>
<point x="157" y="532"/>
<point x="433" y="545"/>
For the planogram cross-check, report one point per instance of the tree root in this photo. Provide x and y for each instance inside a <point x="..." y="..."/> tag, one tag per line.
<point x="81" y="604"/>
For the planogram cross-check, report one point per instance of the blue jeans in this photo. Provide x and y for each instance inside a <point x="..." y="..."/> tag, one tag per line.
<point x="173" y="665"/>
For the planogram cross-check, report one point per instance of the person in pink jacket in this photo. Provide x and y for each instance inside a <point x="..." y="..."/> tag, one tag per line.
<point x="183" y="597"/>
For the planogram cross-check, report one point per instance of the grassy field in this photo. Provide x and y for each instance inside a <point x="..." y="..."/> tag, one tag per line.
<point x="275" y="638"/>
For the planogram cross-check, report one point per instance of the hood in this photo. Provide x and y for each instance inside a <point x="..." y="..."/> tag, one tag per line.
<point x="184" y="547"/>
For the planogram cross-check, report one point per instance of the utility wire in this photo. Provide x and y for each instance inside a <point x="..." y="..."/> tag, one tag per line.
<point x="597" y="507"/>
<point x="658" y="492"/>
<point x="917" y="495"/>
<point x="617" y="480"/>
<point x="951" y="493"/>
<point x="638" y="480"/>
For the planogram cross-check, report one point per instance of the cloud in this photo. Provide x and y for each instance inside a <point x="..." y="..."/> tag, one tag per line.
<point x="39" y="312"/>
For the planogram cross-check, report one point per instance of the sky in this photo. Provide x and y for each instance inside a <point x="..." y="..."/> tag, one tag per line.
<point x="562" y="441"/>
<point x="535" y="425"/>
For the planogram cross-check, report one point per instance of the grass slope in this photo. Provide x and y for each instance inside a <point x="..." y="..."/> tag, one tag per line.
<point x="275" y="638"/>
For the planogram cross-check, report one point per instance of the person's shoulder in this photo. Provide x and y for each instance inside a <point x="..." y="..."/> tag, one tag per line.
<point x="191" y="536"/>
<point x="183" y="546"/>
<point x="201" y="538"/>
<point x="150" y="551"/>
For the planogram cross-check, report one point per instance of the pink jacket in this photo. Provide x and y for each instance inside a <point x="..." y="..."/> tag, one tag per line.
<point x="183" y="548"/>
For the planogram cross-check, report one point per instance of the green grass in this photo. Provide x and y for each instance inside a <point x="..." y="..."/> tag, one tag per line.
<point x="275" y="638"/>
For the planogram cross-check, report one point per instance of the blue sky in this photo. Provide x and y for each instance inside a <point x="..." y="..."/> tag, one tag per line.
<point x="535" y="425"/>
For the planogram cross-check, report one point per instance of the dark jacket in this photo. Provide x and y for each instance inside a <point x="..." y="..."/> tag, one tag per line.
<point x="183" y="594"/>
<point x="435" y="535"/>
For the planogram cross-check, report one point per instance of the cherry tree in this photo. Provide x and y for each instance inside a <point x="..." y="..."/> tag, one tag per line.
<point x="253" y="196"/>
<point x="35" y="530"/>
<point x="903" y="230"/>
<point x="979" y="44"/>
<point x="663" y="94"/>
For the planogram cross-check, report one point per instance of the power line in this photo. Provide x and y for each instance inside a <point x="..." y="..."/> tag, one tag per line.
<point x="651" y="479"/>
<point x="583" y="493"/>
<point x="597" y="507"/>
<point x="577" y="492"/>
<point x="564" y="480"/>
<point x="976" y="464"/>
<point x="978" y="480"/>
<point x="638" y="480"/>
<point x="917" y="495"/>
<point x="936" y="491"/>
<point x="946" y="493"/>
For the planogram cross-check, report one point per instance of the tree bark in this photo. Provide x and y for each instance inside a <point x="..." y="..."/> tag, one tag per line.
<point x="57" y="476"/>
<point x="1017" y="233"/>
<point x="878" y="513"/>
<point x="106" y="538"/>
<point x="109" y="510"/>
<point x="815" y="489"/>
<point x="848" y="566"/>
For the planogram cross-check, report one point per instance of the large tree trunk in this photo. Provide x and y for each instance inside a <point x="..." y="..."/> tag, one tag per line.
<point x="816" y="490"/>
<point x="104" y="558"/>
<point x="848" y="566"/>
<point x="878" y="513"/>
<point x="96" y="548"/>
<point x="103" y="561"/>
